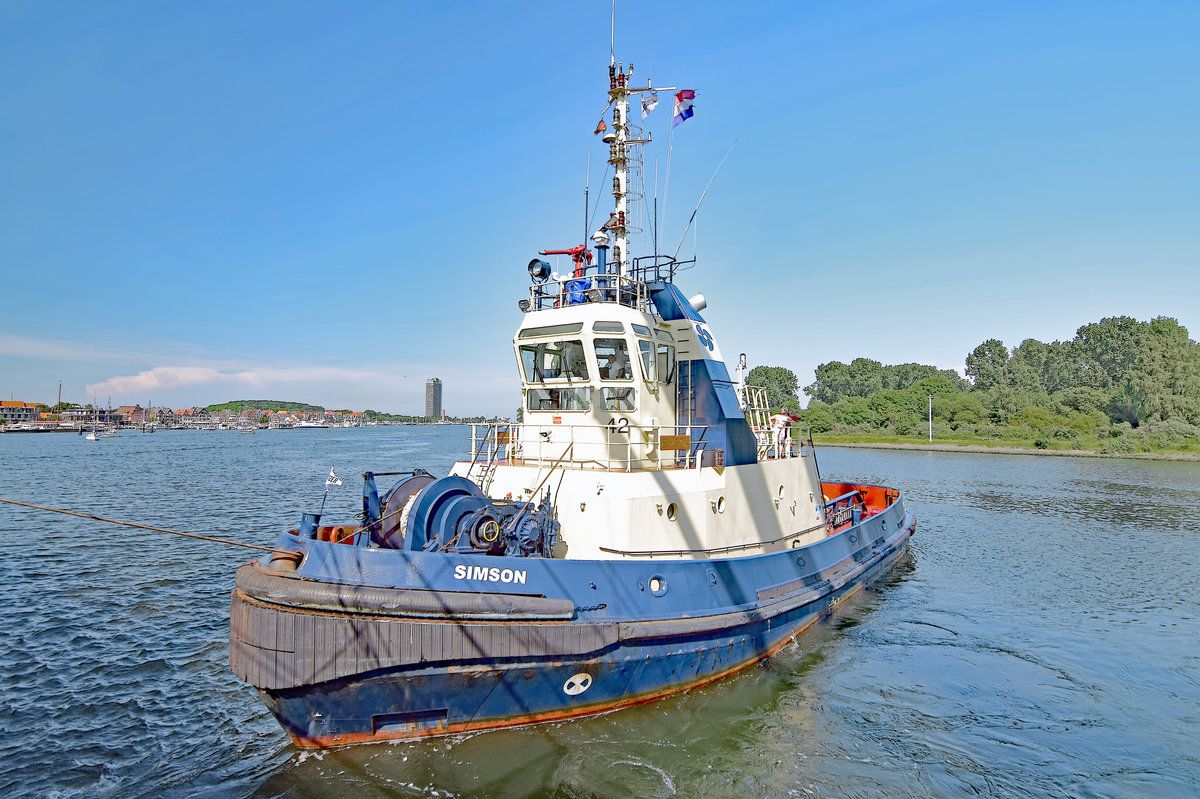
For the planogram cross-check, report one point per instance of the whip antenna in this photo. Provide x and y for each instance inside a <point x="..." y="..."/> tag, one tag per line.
<point x="612" y="35"/>
<point x="697" y="208"/>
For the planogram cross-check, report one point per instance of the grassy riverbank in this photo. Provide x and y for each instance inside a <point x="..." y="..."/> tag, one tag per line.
<point x="1188" y="451"/>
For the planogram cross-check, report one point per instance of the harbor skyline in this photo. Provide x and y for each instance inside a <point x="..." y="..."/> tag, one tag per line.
<point x="294" y="216"/>
<point x="50" y="414"/>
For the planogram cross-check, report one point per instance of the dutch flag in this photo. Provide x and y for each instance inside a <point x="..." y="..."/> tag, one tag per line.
<point x="683" y="105"/>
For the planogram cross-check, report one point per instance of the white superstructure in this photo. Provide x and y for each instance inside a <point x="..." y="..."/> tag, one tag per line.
<point x="631" y="421"/>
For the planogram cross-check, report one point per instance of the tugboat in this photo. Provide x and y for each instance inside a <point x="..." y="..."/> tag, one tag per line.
<point x="641" y="532"/>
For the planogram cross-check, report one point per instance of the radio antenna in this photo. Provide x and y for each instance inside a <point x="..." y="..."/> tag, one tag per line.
<point x="697" y="208"/>
<point x="612" y="35"/>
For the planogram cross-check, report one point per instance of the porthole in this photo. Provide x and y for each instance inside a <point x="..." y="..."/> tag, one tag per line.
<point x="720" y="504"/>
<point x="672" y="512"/>
<point x="658" y="585"/>
<point x="781" y="492"/>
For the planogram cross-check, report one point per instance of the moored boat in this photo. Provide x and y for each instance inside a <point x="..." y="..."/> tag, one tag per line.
<point x="642" y="531"/>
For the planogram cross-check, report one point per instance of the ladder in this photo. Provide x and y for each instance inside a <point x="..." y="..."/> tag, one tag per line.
<point x="758" y="414"/>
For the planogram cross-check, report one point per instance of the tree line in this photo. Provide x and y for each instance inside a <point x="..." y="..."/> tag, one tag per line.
<point x="1120" y="385"/>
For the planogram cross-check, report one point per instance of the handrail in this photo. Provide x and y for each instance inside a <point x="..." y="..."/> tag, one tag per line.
<point x="486" y="440"/>
<point x="609" y="447"/>
<point x="653" y="268"/>
<point x="836" y="500"/>
<point x="840" y="510"/>
<point x="568" y="290"/>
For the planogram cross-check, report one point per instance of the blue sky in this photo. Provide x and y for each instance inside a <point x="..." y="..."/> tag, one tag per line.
<point x="332" y="202"/>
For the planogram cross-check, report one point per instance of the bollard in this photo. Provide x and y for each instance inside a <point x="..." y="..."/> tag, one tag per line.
<point x="308" y="524"/>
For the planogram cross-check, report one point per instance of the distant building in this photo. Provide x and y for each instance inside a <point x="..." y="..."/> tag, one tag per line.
<point x="15" y="411"/>
<point x="132" y="414"/>
<point x="433" y="398"/>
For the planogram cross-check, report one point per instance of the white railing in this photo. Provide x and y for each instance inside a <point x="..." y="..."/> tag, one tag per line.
<point x="590" y="288"/>
<point x="611" y="447"/>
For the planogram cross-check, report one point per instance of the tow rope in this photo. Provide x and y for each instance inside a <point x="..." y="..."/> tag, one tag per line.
<point x="139" y="526"/>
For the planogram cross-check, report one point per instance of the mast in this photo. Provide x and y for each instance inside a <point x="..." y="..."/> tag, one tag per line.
<point x="618" y="156"/>
<point x="624" y="153"/>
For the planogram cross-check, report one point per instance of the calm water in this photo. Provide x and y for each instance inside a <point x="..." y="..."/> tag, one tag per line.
<point x="1043" y="639"/>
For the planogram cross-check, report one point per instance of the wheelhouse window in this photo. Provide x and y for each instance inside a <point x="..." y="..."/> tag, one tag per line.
<point x="557" y="399"/>
<point x="658" y="361"/>
<point x="649" y="363"/>
<point x="618" y="399"/>
<point x="550" y="330"/>
<point x="612" y="359"/>
<point x="551" y="361"/>
<point x="666" y="363"/>
<point x="666" y="355"/>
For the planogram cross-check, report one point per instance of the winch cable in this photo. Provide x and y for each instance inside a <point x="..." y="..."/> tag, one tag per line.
<point x="513" y="525"/>
<point x="368" y="526"/>
<point x="139" y="526"/>
<point x="385" y="516"/>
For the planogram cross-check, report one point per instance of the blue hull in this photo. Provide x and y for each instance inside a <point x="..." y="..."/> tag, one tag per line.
<point x="588" y="637"/>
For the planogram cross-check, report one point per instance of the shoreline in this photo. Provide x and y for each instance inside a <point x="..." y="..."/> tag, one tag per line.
<point x="981" y="448"/>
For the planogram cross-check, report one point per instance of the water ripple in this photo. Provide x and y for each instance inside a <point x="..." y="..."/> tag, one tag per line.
<point x="1040" y="641"/>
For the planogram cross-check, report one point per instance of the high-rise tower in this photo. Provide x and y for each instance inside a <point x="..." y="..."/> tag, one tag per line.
<point x="433" y="398"/>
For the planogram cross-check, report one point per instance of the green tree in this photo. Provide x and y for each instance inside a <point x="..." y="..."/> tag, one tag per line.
<point x="958" y="408"/>
<point x="1034" y="418"/>
<point x="818" y="417"/>
<point x="781" y="385"/>
<point x="903" y="375"/>
<point x="1164" y="381"/>
<point x="1026" y="367"/>
<point x="1004" y="401"/>
<point x="866" y="377"/>
<point x="1065" y="367"/>
<point x="987" y="364"/>
<point x="1082" y="399"/>
<point x="853" y="412"/>
<point x="1110" y="348"/>
<point x="934" y="385"/>
<point x="832" y="383"/>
